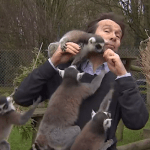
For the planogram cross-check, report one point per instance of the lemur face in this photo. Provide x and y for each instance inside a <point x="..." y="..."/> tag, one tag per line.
<point x="3" y="108"/>
<point x="102" y="118"/>
<point x="107" y="122"/>
<point x="5" y="104"/>
<point x="97" y="43"/>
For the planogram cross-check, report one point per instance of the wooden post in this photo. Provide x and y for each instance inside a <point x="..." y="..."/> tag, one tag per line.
<point x="37" y="117"/>
<point x="35" y="125"/>
<point x="148" y="96"/>
<point x="146" y="133"/>
<point x="139" y="145"/>
<point x="120" y="130"/>
<point x="127" y="64"/>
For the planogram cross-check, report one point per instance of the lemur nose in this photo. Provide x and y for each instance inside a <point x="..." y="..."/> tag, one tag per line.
<point x="98" y="46"/>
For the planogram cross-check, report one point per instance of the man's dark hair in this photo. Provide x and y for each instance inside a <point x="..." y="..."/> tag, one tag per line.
<point x="92" y="26"/>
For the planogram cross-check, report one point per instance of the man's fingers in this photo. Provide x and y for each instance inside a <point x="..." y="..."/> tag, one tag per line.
<point x="110" y="55"/>
<point x="74" y="45"/>
<point x="71" y="49"/>
<point x="108" y="52"/>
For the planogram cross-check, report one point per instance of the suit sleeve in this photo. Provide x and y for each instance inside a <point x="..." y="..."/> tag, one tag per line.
<point x="34" y="85"/>
<point x="132" y="107"/>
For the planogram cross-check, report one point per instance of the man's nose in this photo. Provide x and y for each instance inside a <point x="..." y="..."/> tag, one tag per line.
<point x="113" y="36"/>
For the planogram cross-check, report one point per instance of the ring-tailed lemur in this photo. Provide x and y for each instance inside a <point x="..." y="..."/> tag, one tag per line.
<point x="88" y="42"/>
<point x="8" y="117"/>
<point x="93" y="135"/>
<point x="57" y="130"/>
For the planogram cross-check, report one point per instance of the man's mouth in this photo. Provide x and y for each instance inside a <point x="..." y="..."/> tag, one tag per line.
<point x="109" y="46"/>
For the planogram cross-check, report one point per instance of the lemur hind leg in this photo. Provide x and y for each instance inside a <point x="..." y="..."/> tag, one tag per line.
<point x="36" y="147"/>
<point x="41" y="143"/>
<point x="4" y="145"/>
<point x="107" y="144"/>
<point x="64" y="138"/>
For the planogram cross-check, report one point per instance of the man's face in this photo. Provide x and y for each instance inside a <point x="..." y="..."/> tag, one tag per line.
<point x="111" y="32"/>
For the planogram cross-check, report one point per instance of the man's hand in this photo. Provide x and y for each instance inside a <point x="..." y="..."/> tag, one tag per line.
<point x="114" y="62"/>
<point x="60" y="57"/>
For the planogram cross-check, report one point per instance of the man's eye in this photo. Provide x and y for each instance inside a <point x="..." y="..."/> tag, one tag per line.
<point x="118" y="37"/>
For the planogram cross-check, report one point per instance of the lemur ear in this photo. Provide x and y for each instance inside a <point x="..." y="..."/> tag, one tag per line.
<point x="107" y="123"/>
<point x="104" y="107"/>
<point x="73" y="66"/>
<point x="93" y="113"/>
<point x="61" y="72"/>
<point x="9" y="99"/>
<point x="92" y="40"/>
<point x="79" y="76"/>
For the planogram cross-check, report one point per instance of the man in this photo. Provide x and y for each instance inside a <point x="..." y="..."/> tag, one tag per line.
<point x="126" y="104"/>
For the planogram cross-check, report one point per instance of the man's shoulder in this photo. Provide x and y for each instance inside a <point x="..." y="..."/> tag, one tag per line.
<point x="63" y="66"/>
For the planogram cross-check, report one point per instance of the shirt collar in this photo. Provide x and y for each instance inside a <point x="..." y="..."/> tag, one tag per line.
<point x="87" y="67"/>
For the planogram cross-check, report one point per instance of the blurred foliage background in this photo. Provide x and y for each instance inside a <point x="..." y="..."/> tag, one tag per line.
<point x="26" y="24"/>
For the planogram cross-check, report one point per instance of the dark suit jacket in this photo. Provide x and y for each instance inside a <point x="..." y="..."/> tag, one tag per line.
<point x="127" y="104"/>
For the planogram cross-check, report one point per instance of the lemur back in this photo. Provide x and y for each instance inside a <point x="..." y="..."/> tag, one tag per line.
<point x="57" y="126"/>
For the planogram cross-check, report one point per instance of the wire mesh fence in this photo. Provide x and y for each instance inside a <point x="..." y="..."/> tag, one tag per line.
<point x="138" y="76"/>
<point x="11" y="60"/>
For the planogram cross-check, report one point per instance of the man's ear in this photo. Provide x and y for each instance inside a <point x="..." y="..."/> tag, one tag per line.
<point x="79" y="75"/>
<point x="61" y="72"/>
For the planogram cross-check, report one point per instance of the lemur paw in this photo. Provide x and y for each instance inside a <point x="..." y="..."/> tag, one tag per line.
<point x="110" y="142"/>
<point x="63" y="44"/>
<point x="36" y="102"/>
<point x="52" y="48"/>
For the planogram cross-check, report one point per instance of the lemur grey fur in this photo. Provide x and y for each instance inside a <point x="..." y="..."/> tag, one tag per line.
<point x="57" y="130"/>
<point x="8" y="117"/>
<point x="88" y="42"/>
<point x="92" y="136"/>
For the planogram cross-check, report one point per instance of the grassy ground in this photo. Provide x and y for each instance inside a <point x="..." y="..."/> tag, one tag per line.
<point x="6" y="90"/>
<point x="17" y="143"/>
<point x="130" y="136"/>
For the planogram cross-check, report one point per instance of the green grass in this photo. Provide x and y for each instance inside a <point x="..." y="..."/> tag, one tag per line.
<point x="17" y="143"/>
<point x="6" y="90"/>
<point x="130" y="136"/>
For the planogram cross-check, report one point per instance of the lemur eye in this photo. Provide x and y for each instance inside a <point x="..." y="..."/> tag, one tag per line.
<point x="5" y="106"/>
<point x="109" y="115"/>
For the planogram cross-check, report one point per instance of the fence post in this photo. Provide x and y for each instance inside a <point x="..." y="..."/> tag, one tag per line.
<point x="120" y="130"/>
<point x="148" y="96"/>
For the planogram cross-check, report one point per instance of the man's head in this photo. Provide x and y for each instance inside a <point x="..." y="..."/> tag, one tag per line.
<point x="110" y="27"/>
